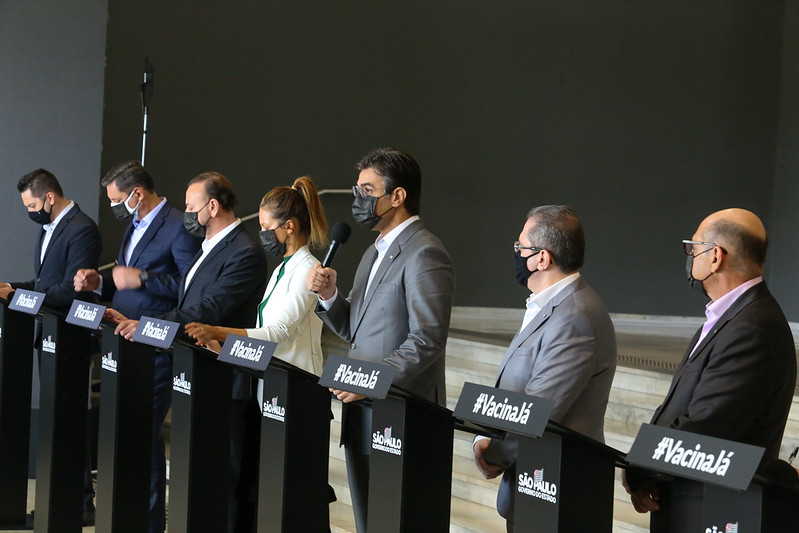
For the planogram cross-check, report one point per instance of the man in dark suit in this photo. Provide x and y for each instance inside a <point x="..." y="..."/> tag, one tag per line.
<point x="399" y="308"/>
<point x="737" y="379"/>
<point x="223" y="285"/>
<point x="156" y="252"/>
<point x="69" y="241"/>
<point x="566" y="347"/>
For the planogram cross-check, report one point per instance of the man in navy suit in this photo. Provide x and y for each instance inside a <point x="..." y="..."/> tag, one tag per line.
<point x="69" y="241"/>
<point x="156" y="252"/>
<point x="223" y="285"/>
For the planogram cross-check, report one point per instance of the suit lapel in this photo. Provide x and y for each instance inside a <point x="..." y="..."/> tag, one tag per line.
<point x="207" y="261"/>
<point x="677" y="376"/>
<point x="149" y="234"/>
<point x="538" y="321"/>
<point x="38" y="256"/>
<point x="182" y="292"/>
<point x="754" y="293"/>
<point x="391" y="255"/>
<point x="59" y="229"/>
<point x="124" y="246"/>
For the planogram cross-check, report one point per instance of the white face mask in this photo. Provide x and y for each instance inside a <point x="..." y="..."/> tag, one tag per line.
<point x="128" y="212"/>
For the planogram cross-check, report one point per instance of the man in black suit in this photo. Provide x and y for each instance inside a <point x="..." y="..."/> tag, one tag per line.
<point x="156" y="252"/>
<point x="223" y="285"/>
<point x="737" y="379"/>
<point x="69" y="241"/>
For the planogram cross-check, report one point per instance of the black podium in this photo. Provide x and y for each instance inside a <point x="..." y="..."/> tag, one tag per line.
<point x="16" y="368"/>
<point x="61" y="450"/>
<point x="410" y="472"/>
<point x="124" y="449"/>
<point x="295" y="438"/>
<point x="564" y="482"/>
<point x="764" y="507"/>
<point x="200" y="441"/>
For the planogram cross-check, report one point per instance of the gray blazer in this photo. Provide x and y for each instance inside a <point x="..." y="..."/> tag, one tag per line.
<point x="403" y="320"/>
<point x="567" y="353"/>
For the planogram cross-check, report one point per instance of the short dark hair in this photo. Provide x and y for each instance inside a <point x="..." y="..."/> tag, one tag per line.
<point x="128" y="176"/>
<point x="218" y="188"/>
<point x="39" y="183"/>
<point x="744" y="248"/>
<point x="558" y="231"/>
<point x="397" y="169"/>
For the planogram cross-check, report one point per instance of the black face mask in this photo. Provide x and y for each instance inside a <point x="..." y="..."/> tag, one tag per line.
<point x="192" y="223"/>
<point x="695" y="284"/>
<point x="122" y="211"/>
<point x="520" y="267"/>
<point x="41" y="216"/>
<point x="363" y="210"/>
<point x="270" y="243"/>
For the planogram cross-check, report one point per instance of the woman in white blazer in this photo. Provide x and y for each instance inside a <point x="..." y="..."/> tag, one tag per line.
<point x="291" y="219"/>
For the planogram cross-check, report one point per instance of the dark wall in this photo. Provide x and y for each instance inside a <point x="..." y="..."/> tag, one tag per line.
<point x="645" y="116"/>
<point x="784" y="250"/>
<point x="52" y="60"/>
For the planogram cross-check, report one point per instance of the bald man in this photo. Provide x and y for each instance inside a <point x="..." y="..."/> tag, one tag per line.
<point x="737" y="379"/>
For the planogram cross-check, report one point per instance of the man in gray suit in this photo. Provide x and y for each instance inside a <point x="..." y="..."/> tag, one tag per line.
<point x="399" y="308"/>
<point x="566" y="347"/>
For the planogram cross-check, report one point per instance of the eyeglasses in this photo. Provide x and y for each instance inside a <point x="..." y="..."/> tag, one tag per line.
<point x="364" y="193"/>
<point x="517" y="247"/>
<point x="689" y="247"/>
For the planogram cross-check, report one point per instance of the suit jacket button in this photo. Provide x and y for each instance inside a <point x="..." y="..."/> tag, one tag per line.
<point x="352" y="346"/>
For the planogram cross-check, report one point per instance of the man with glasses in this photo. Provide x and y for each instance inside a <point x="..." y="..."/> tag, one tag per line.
<point x="399" y="308"/>
<point x="737" y="379"/>
<point x="565" y="349"/>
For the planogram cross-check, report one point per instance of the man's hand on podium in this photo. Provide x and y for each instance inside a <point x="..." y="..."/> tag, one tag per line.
<point x="112" y="315"/>
<point x="489" y="471"/>
<point x="346" y="397"/>
<point x="127" y="328"/>
<point x="644" y="499"/>
<point x="5" y="290"/>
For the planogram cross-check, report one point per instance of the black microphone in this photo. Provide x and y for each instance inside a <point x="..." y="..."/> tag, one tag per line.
<point x="338" y="236"/>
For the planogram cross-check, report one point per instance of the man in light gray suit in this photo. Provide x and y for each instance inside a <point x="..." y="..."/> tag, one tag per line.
<point x="399" y="308"/>
<point x="565" y="349"/>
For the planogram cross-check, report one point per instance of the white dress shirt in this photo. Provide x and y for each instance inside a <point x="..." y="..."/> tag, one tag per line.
<point x="139" y="228"/>
<point x="207" y="246"/>
<point x="50" y="228"/>
<point x="382" y="244"/>
<point x="536" y="302"/>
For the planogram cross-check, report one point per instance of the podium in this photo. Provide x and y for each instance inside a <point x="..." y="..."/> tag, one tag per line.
<point x="563" y="479"/>
<point x="764" y="507"/>
<point x="16" y="368"/>
<point x="293" y="493"/>
<point x="125" y="434"/>
<point x="564" y="482"/>
<point x="200" y="440"/>
<point x="61" y="450"/>
<point x="410" y="472"/>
